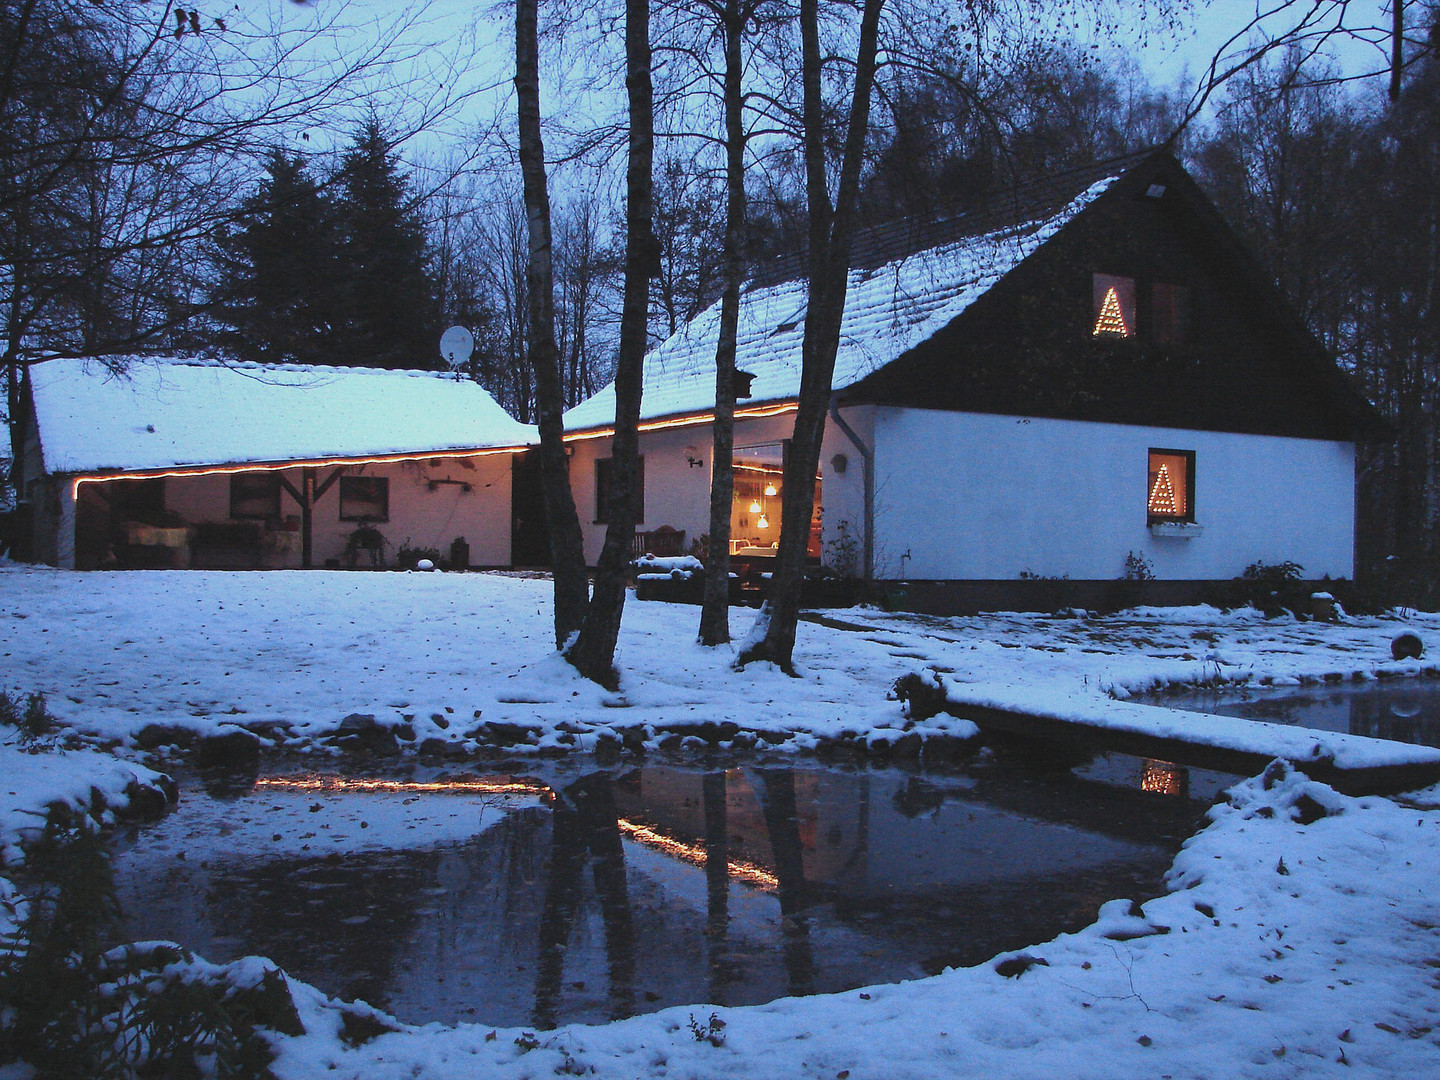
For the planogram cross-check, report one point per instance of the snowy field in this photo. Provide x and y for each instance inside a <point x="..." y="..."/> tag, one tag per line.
<point x="1302" y="937"/>
<point x="304" y="649"/>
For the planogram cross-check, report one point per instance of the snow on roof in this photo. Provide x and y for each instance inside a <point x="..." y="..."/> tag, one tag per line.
<point x="888" y="310"/>
<point x="166" y="413"/>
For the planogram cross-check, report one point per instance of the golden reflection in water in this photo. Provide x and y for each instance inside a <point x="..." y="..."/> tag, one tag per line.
<point x="462" y="785"/>
<point x="1164" y="778"/>
<point x="695" y="854"/>
<point x="509" y="785"/>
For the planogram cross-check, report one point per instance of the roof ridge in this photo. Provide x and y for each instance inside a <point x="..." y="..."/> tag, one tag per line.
<point x="252" y="365"/>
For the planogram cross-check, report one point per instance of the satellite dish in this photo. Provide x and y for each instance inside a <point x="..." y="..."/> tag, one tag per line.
<point x="456" y="345"/>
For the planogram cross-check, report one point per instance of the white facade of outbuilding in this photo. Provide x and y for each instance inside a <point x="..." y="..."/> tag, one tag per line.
<point x="194" y="462"/>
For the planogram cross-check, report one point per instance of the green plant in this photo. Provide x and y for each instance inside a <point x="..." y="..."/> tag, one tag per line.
<point x="71" y="1008"/>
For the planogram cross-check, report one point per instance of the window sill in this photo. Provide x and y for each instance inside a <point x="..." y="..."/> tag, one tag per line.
<point x="1183" y="530"/>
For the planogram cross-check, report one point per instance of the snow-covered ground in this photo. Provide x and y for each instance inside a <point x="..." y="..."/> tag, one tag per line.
<point x="116" y="652"/>
<point x="1292" y="949"/>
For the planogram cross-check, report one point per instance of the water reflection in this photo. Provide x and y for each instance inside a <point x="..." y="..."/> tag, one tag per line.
<point x="587" y="897"/>
<point x="1407" y="712"/>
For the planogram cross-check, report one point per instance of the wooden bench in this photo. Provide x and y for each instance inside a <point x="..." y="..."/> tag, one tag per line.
<point x="662" y="541"/>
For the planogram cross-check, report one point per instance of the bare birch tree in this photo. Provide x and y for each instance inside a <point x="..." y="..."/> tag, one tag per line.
<point x="593" y="653"/>
<point x="831" y="231"/>
<point x="567" y="552"/>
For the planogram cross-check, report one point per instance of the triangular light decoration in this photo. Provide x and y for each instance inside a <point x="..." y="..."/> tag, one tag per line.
<point x="1162" y="494"/>
<point x="1111" y="322"/>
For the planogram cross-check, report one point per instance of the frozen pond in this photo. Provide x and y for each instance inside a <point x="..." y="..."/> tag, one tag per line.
<point x="564" y="895"/>
<point x="1405" y="711"/>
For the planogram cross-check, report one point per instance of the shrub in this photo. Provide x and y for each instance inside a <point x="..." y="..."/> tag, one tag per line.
<point x="1274" y="589"/>
<point x="408" y="558"/>
<point x="71" y="1008"/>
<point x="33" y="719"/>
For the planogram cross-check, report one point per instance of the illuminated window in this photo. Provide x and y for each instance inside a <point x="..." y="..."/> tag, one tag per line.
<point x="254" y="495"/>
<point x="1169" y="313"/>
<point x="1114" y="310"/>
<point x="1171" y="486"/>
<point x="602" y="490"/>
<point x="364" y="498"/>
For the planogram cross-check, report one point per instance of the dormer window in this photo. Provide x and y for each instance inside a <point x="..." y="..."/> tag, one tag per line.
<point x="1113" y="315"/>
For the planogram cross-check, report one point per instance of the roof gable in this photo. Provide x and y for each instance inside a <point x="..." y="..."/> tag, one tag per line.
<point x="993" y="318"/>
<point x="1027" y="348"/>
<point x="175" y="413"/>
<point x="890" y="307"/>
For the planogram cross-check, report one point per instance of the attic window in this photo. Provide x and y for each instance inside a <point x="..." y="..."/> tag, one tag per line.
<point x="1169" y="313"/>
<point x="1171" y="486"/>
<point x="1114" y="307"/>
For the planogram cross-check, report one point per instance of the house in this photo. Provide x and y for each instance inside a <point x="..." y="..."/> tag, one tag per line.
<point x="1089" y="380"/>
<point x="205" y="464"/>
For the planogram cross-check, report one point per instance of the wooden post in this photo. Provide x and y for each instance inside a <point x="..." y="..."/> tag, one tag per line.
<point x="306" y="499"/>
<point x="307" y="519"/>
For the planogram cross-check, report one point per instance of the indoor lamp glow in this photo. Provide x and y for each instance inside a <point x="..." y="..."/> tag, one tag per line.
<point x="770" y="489"/>
<point x="756" y="508"/>
<point x="763" y="523"/>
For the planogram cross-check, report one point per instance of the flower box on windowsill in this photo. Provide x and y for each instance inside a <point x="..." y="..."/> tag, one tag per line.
<point x="1183" y="530"/>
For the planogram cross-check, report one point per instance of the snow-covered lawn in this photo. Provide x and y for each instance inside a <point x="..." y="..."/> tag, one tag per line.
<point x="116" y="652"/>
<point x="1292" y="949"/>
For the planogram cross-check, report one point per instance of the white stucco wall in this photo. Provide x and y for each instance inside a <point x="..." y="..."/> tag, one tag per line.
<point x="971" y="496"/>
<point x="678" y="495"/>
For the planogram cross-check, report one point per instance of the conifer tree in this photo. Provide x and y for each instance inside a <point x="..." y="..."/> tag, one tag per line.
<point x="280" y="269"/>
<point x="389" y="296"/>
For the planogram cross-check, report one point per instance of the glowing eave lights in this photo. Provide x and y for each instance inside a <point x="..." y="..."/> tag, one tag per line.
<point x="319" y="463"/>
<point x="688" y="421"/>
<point x="694" y="854"/>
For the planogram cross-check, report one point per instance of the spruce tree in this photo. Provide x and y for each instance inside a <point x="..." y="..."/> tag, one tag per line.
<point x="389" y="296"/>
<point x="280" y="271"/>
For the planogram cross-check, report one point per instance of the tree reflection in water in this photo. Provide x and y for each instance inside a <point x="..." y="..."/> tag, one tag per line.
<point x="585" y="827"/>
<point x="619" y="892"/>
<point x="717" y="885"/>
<point x="782" y="821"/>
